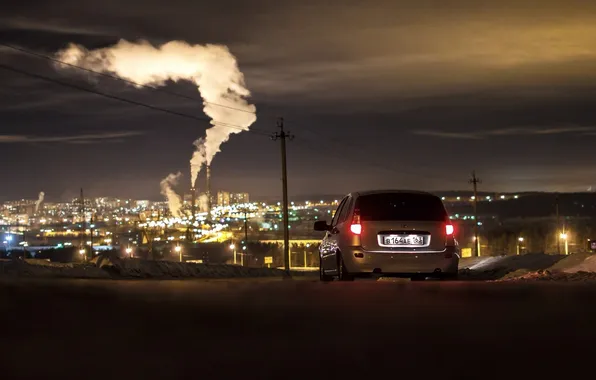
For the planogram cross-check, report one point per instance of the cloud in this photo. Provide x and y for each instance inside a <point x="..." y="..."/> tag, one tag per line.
<point x="449" y="135"/>
<point x="73" y="139"/>
<point x="513" y="131"/>
<point x="49" y="27"/>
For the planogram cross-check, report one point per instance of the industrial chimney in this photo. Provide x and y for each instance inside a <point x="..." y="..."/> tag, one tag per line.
<point x="208" y="192"/>
<point x="193" y="205"/>
<point x="193" y="209"/>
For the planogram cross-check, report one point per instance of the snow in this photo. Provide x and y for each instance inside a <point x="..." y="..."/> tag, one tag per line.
<point x="136" y="268"/>
<point x="531" y="267"/>
<point x="547" y="275"/>
<point x="572" y="268"/>
<point x="45" y="269"/>
<point x="117" y="268"/>
<point x="490" y="268"/>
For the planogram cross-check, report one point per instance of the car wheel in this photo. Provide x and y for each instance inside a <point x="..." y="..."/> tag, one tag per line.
<point x="322" y="276"/>
<point x="342" y="271"/>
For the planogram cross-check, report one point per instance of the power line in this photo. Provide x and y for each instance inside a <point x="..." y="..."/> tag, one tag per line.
<point x="114" y="97"/>
<point x="39" y="55"/>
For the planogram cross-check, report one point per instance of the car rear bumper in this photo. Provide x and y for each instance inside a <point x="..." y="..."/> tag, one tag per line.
<point x="359" y="261"/>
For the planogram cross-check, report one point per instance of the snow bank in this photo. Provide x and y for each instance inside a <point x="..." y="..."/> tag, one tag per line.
<point x="136" y="268"/>
<point x="575" y="267"/>
<point x="495" y="267"/>
<point x="577" y="263"/>
<point x="45" y="269"/>
<point x="546" y="275"/>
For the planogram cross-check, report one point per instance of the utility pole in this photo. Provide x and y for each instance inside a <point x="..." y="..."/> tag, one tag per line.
<point x="282" y="135"/>
<point x="246" y="231"/>
<point x="90" y="255"/>
<point x="558" y="229"/>
<point x="475" y="181"/>
<point x="83" y="222"/>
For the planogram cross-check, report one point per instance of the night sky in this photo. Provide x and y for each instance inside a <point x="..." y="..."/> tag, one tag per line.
<point x="413" y="95"/>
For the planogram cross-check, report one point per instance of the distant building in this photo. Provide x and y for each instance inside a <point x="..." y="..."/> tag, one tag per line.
<point x="239" y="198"/>
<point x="223" y="198"/>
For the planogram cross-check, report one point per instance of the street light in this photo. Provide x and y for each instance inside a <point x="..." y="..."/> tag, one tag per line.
<point x="129" y="252"/>
<point x="520" y="241"/>
<point x="565" y="237"/>
<point x="179" y="250"/>
<point x="233" y="248"/>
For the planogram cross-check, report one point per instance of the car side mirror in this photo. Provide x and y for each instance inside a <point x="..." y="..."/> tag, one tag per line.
<point x="321" y="225"/>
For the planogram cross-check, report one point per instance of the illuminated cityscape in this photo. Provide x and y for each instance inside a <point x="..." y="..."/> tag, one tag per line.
<point x="139" y="227"/>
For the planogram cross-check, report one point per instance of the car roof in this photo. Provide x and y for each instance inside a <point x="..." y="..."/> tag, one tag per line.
<point x="372" y="192"/>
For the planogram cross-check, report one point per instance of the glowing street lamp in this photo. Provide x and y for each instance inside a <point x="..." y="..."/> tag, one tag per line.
<point x="129" y="252"/>
<point x="564" y="236"/>
<point x="520" y="241"/>
<point x="179" y="250"/>
<point x="233" y="248"/>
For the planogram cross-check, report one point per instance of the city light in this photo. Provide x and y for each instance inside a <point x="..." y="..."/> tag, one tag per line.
<point x="8" y="237"/>
<point x="178" y="248"/>
<point x="232" y="246"/>
<point x="520" y="239"/>
<point x="82" y="251"/>
<point x="563" y="236"/>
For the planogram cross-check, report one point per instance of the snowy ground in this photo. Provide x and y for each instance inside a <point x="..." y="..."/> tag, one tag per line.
<point x="134" y="268"/>
<point x="531" y="267"/>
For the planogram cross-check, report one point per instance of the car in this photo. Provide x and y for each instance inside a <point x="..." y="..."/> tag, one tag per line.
<point x="389" y="233"/>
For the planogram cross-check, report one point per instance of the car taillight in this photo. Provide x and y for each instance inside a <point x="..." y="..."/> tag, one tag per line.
<point x="356" y="227"/>
<point x="449" y="229"/>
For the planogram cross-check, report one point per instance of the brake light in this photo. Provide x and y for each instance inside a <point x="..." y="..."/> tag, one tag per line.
<point x="449" y="229"/>
<point x="356" y="227"/>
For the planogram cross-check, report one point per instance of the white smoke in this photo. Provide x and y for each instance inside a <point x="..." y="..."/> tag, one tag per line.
<point x="204" y="203"/>
<point x="167" y="190"/>
<point x="40" y="199"/>
<point x="211" y="67"/>
<point x="197" y="160"/>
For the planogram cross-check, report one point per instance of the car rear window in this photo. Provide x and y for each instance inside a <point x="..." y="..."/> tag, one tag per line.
<point x="401" y="206"/>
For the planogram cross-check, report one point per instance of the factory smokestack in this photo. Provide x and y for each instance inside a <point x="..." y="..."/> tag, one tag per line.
<point x="193" y="206"/>
<point x="208" y="184"/>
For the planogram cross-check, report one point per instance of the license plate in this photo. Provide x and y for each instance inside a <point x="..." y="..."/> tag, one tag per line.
<point x="403" y="240"/>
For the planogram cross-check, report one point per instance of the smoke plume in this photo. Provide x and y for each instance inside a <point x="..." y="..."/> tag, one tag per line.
<point x="197" y="160"/>
<point x="40" y="199"/>
<point x="174" y="200"/>
<point x="212" y="68"/>
<point x="204" y="203"/>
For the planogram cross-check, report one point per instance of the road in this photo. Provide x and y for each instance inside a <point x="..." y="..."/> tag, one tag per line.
<point x="288" y="329"/>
